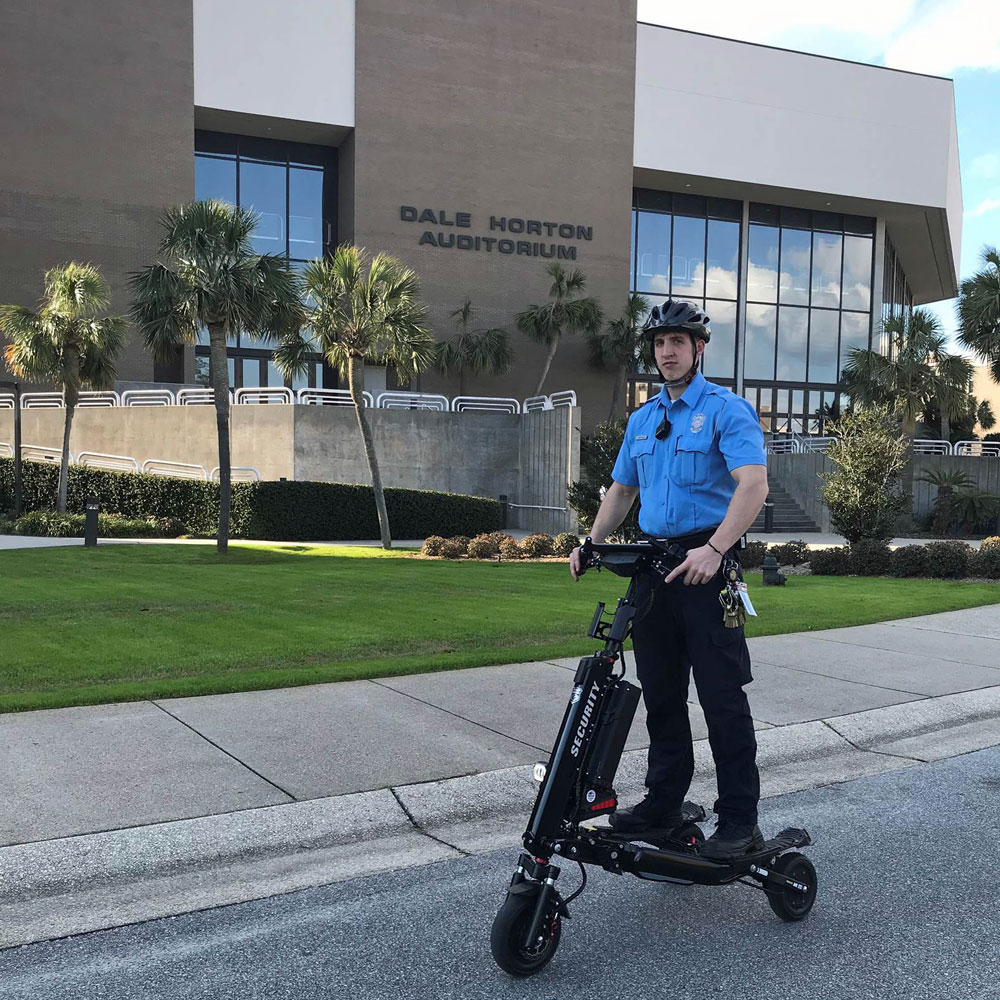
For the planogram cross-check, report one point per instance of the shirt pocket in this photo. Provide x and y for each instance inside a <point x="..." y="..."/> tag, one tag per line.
<point x="690" y="466"/>
<point x="642" y="454"/>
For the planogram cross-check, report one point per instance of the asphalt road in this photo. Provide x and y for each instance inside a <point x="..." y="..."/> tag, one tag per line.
<point x="908" y="862"/>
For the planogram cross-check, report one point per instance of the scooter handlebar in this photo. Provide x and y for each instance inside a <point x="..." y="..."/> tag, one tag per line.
<point x="591" y="551"/>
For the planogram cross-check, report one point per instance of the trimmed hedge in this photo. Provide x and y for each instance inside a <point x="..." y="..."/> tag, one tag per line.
<point x="49" y="524"/>
<point x="869" y="557"/>
<point x="275" y="511"/>
<point x="834" y="561"/>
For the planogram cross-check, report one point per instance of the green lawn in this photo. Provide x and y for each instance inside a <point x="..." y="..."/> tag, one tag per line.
<point x="122" y="622"/>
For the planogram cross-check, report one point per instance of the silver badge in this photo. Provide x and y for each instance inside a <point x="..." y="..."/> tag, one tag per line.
<point x="696" y="422"/>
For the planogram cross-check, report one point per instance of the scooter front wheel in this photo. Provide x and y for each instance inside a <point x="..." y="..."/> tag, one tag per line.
<point x="510" y="928"/>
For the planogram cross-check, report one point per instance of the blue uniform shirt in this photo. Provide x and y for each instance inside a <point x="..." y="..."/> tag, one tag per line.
<point x="684" y="480"/>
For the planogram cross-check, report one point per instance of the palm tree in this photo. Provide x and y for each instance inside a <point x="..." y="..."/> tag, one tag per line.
<point x="64" y="342"/>
<point x="618" y="346"/>
<point x="473" y="352"/>
<point x="954" y="384"/>
<point x="979" y="311"/>
<point x="359" y="310"/>
<point x="918" y="373"/>
<point x="565" y="312"/>
<point x="209" y="277"/>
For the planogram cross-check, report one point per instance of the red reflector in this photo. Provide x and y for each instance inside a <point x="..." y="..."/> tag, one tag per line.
<point x="606" y="804"/>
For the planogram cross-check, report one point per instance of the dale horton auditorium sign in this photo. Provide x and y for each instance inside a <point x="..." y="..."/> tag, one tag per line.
<point x="507" y="235"/>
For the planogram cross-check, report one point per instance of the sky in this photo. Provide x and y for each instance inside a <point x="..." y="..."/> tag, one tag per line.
<point x="959" y="39"/>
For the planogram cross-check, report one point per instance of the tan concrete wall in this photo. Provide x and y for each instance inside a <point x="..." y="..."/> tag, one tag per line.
<point x="261" y="435"/>
<point x="520" y="109"/>
<point x="97" y="119"/>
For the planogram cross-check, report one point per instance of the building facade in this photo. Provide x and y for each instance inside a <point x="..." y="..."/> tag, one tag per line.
<point x="800" y="199"/>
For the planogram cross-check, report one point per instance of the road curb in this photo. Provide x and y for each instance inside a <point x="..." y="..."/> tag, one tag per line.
<point x="72" y="885"/>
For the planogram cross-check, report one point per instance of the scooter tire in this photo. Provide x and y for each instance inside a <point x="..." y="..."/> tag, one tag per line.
<point x="790" y="904"/>
<point x="510" y="927"/>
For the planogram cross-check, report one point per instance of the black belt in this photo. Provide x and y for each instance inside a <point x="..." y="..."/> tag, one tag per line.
<point x="691" y="541"/>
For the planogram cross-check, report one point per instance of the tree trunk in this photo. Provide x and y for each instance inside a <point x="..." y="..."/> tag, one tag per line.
<point x="910" y="430"/>
<point x="616" y="396"/>
<point x="547" y="365"/>
<point x="945" y="425"/>
<point x="218" y="376"/>
<point x="355" y="382"/>
<point x="71" y="396"/>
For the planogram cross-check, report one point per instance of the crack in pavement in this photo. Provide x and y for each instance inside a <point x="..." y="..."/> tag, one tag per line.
<point x="421" y="830"/>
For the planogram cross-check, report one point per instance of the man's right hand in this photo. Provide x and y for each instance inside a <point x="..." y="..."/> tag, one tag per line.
<point x="576" y="567"/>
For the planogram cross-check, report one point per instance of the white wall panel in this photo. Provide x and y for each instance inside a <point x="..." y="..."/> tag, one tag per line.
<point x="285" y="60"/>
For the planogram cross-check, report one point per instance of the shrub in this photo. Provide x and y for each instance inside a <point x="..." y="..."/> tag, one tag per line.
<point x="564" y="543"/>
<point x="536" y="546"/>
<point x="870" y="557"/>
<point x="510" y="548"/>
<point x="947" y="560"/>
<point x="462" y="541"/>
<point x="48" y="524"/>
<point x="986" y="563"/>
<point x="432" y="545"/>
<point x="790" y="553"/>
<point x="834" y="561"/>
<point x="451" y="548"/>
<point x="486" y="546"/>
<point x="862" y="493"/>
<point x="598" y="452"/>
<point x="753" y="555"/>
<point x="278" y="511"/>
<point x="992" y="542"/>
<point x="910" y="560"/>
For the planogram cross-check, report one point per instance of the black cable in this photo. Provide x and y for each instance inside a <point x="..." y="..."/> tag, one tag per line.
<point x="583" y="884"/>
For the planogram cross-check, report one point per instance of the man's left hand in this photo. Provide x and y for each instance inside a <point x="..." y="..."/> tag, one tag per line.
<point x="700" y="566"/>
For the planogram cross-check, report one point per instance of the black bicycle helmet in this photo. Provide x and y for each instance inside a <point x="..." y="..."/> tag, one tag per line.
<point x="676" y="315"/>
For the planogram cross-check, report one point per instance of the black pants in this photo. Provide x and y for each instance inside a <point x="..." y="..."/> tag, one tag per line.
<point x="683" y="632"/>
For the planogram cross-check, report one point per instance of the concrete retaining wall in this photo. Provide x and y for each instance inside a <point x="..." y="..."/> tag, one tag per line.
<point x="800" y="475"/>
<point x="529" y="458"/>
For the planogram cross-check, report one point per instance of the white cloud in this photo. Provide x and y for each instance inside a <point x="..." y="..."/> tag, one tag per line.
<point x="953" y="35"/>
<point x="984" y="207"/>
<point x="985" y="165"/>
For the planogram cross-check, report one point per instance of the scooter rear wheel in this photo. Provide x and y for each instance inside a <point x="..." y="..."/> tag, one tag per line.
<point x="510" y="928"/>
<point x="788" y="903"/>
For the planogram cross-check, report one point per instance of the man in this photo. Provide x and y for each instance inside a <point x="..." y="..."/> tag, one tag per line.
<point x="694" y="454"/>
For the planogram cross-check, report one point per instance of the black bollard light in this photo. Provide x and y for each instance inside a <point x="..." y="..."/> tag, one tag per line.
<point x="772" y="577"/>
<point x="768" y="517"/>
<point x="93" y="508"/>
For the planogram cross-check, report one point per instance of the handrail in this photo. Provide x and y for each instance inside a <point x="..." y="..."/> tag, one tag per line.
<point x="108" y="398"/>
<point x="6" y="401"/>
<point x="41" y="400"/>
<point x="264" y="395"/>
<point x="533" y="403"/>
<point x="975" y="448"/>
<point x="486" y="404"/>
<point x="394" y="400"/>
<point x="148" y="397"/>
<point x="198" y="397"/>
<point x="116" y="463"/>
<point x="565" y="397"/>
<point x="931" y="446"/>
<point x="39" y="453"/>
<point x="181" y="470"/>
<point x="8" y="448"/>
<point x="254" y="478"/>
<point x="332" y="397"/>
<point x="816" y="443"/>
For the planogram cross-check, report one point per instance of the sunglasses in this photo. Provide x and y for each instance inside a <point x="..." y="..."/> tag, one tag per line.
<point x="663" y="430"/>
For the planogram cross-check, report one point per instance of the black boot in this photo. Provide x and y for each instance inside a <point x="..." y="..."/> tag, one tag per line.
<point x="732" y="840"/>
<point x="652" y="816"/>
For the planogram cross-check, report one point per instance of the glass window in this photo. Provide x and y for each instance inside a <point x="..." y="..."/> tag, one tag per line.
<point x="201" y="369"/>
<point x="857" y="273"/>
<point x="720" y="353"/>
<point x="251" y="373"/>
<point x="823" y="325"/>
<point x="688" y="280"/>
<point x="826" y="270"/>
<point x="722" y="276"/>
<point x="794" y="283"/>
<point x="305" y="213"/>
<point x="653" y="265"/>
<point x="793" y="332"/>
<point x="215" y="178"/>
<point x="274" y="377"/>
<point x="760" y="341"/>
<point x="262" y="188"/>
<point x="762" y="277"/>
<point x="853" y="333"/>
<point x="631" y="261"/>
<point x="232" y="372"/>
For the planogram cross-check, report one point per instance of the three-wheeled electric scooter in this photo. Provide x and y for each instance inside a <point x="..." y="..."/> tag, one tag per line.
<point x="577" y="785"/>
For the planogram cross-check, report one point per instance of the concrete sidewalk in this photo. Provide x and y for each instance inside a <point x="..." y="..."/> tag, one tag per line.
<point x="189" y="802"/>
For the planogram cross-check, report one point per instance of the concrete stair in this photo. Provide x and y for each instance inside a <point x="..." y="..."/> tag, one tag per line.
<point x="788" y="515"/>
